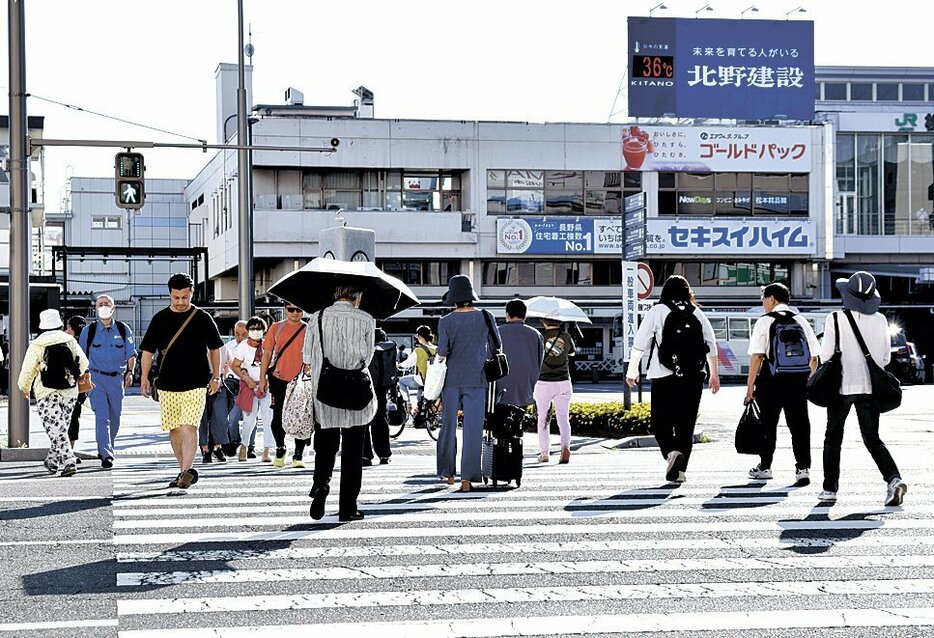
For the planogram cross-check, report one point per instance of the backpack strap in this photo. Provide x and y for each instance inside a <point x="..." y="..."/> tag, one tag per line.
<point x="122" y="328"/>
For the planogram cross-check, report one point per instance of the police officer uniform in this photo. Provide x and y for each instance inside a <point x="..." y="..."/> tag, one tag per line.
<point x="108" y="356"/>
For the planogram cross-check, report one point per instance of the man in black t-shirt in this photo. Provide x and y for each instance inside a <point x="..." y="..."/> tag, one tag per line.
<point x="189" y="346"/>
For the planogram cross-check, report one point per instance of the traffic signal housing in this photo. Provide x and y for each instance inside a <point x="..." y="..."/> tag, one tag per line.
<point x="129" y="180"/>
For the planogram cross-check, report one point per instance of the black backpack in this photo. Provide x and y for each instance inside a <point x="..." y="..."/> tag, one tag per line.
<point x="788" y="346"/>
<point x="683" y="349"/>
<point x="383" y="367"/>
<point x="59" y="367"/>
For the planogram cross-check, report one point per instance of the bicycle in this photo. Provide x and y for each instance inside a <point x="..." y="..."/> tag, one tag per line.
<point x="427" y="414"/>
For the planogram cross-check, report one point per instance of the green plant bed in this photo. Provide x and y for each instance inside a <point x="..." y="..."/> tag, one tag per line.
<point x="608" y="419"/>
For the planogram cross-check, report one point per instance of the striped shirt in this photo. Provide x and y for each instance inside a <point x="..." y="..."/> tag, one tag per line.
<point x="349" y="340"/>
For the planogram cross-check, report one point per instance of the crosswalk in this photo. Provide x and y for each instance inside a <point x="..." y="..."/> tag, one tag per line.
<point x="600" y="546"/>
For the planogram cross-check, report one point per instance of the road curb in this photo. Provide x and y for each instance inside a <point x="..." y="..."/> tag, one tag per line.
<point x="645" y="441"/>
<point x="23" y="454"/>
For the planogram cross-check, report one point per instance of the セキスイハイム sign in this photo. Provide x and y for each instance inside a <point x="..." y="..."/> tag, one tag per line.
<point x="732" y="237"/>
<point x="735" y="69"/>
<point x="715" y="149"/>
<point x="558" y="236"/>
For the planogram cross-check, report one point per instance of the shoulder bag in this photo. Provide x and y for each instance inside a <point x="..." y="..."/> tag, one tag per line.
<point x="154" y="377"/>
<point x="886" y="389"/>
<point x="341" y="388"/>
<point x="823" y="387"/>
<point x="497" y="366"/>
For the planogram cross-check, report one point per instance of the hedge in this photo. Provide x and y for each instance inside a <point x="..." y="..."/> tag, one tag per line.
<point x="608" y="419"/>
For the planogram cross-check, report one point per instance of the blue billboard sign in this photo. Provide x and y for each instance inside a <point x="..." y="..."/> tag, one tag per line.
<point x="736" y="69"/>
<point x="558" y="236"/>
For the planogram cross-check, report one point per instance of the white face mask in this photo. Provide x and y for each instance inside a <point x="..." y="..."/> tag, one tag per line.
<point x="105" y="312"/>
<point x="255" y="335"/>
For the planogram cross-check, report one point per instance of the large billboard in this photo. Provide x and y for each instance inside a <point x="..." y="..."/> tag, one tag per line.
<point x="559" y="236"/>
<point x="733" y="237"/>
<point x="735" y="69"/>
<point x="717" y="149"/>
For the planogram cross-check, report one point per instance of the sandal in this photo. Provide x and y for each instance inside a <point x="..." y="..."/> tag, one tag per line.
<point x="466" y="487"/>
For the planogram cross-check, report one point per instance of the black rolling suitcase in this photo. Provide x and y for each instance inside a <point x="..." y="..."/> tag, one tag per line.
<point x="501" y="460"/>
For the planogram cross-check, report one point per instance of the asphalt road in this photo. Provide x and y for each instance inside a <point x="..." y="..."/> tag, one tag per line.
<point x="599" y="547"/>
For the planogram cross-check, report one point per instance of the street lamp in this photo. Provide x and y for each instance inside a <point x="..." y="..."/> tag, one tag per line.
<point x="752" y="8"/>
<point x="660" y="6"/>
<point x="796" y="10"/>
<point x="706" y="7"/>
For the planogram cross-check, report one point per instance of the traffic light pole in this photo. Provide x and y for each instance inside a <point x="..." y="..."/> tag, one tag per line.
<point x="244" y="169"/>
<point x="18" y="408"/>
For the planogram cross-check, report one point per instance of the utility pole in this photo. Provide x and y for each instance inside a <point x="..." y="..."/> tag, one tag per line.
<point x="244" y="169"/>
<point x="18" y="410"/>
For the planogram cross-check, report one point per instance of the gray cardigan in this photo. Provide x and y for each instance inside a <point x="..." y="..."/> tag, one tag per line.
<point x="349" y="339"/>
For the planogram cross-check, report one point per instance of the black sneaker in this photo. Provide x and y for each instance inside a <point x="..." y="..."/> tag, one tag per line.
<point x="250" y="452"/>
<point x="384" y="460"/>
<point x="365" y="462"/>
<point x="205" y="457"/>
<point x="219" y="455"/>
<point x="70" y="470"/>
<point x="174" y="482"/>
<point x="51" y="468"/>
<point x="318" y="496"/>
<point x="107" y="463"/>
<point x="346" y="518"/>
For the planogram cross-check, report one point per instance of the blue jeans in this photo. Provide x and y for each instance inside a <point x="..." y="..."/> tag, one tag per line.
<point x="107" y="402"/>
<point x="215" y="415"/>
<point x="473" y="402"/>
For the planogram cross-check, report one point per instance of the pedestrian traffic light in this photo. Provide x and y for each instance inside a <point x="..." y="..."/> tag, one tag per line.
<point x="129" y="182"/>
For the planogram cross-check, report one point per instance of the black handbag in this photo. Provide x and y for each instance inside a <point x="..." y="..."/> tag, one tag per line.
<point x="823" y="387"/>
<point x="497" y="366"/>
<point x="341" y="388"/>
<point x="749" y="433"/>
<point x="886" y="389"/>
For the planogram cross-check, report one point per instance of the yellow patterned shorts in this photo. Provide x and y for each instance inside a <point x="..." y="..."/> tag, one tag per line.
<point x="181" y="408"/>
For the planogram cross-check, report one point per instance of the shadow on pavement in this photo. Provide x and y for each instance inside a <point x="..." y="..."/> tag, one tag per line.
<point x="819" y="542"/>
<point x="761" y="498"/>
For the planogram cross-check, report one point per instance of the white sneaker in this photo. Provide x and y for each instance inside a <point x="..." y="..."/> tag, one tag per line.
<point x="542" y="458"/>
<point x="681" y="478"/>
<point x="803" y="477"/>
<point x="758" y="473"/>
<point x="673" y="469"/>
<point x="827" y="497"/>
<point x="895" y="493"/>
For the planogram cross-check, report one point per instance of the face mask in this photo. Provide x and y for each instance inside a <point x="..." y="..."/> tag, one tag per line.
<point x="105" y="312"/>
<point x="255" y="335"/>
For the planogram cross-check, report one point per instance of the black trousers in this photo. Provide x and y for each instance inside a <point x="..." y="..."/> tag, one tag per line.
<point x="868" y="415"/>
<point x="76" y="417"/>
<point x="277" y="388"/>
<point x="350" y="441"/>
<point x="376" y="435"/>
<point x="674" y="413"/>
<point x="784" y="393"/>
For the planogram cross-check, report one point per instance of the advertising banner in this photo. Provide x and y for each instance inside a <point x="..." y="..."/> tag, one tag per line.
<point x="732" y="237"/>
<point x="715" y="149"/>
<point x="558" y="236"/>
<point x="897" y="122"/>
<point x="736" y="69"/>
<point x="630" y="323"/>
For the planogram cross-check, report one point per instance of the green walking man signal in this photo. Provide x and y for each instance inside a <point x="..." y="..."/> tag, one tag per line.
<point x="129" y="180"/>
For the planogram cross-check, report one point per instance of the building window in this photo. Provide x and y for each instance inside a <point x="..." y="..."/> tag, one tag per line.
<point x="733" y="194"/>
<point x="517" y="192"/>
<point x="421" y="272"/>
<point x="552" y="273"/>
<point x="861" y="91"/>
<point x="107" y="222"/>
<point x="912" y="92"/>
<point x="886" y="92"/>
<point x="720" y="273"/>
<point x="835" y="90"/>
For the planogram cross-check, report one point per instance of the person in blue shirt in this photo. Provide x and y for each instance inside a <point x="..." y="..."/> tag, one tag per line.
<point x="111" y="353"/>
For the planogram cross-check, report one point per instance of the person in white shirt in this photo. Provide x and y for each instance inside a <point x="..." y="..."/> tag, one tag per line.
<point x="253" y="400"/>
<point x="777" y="380"/>
<point x="861" y="299"/>
<point x="677" y="371"/>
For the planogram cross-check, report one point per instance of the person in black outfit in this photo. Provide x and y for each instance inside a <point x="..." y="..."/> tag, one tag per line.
<point x="376" y="436"/>
<point x="74" y="326"/>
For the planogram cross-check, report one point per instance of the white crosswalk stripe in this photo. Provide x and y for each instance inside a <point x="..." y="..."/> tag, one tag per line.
<point x="568" y="553"/>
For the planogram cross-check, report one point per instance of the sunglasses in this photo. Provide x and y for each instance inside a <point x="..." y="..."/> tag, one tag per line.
<point x="293" y="309"/>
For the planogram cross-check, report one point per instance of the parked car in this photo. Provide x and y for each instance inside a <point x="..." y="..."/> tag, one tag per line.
<point x="902" y="364"/>
<point x="918" y="360"/>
